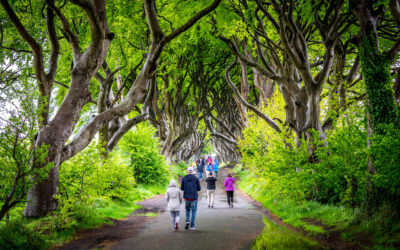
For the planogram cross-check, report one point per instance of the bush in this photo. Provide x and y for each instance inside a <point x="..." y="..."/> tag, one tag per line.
<point x="178" y="169"/>
<point x="147" y="164"/>
<point x="341" y="172"/>
<point x="339" y="177"/>
<point x="87" y="175"/>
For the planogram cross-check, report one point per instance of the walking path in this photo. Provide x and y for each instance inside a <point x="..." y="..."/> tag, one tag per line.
<point x="220" y="227"/>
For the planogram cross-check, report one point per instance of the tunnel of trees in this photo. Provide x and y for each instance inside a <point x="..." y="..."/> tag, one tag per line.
<point x="304" y="92"/>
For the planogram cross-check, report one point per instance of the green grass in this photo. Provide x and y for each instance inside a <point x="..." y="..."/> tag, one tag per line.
<point x="374" y="231"/>
<point x="45" y="232"/>
<point x="149" y="214"/>
<point x="292" y="213"/>
<point x="278" y="237"/>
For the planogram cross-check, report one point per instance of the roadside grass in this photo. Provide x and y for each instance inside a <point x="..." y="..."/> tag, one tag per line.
<point x="294" y="213"/>
<point x="53" y="230"/>
<point x="291" y="212"/>
<point x="372" y="234"/>
<point x="277" y="237"/>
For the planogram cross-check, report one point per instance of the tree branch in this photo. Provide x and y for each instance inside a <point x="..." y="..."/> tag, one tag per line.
<point x="72" y="37"/>
<point x="193" y="20"/>
<point x="55" y="46"/>
<point x="35" y="46"/>
<point x="254" y="109"/>
<point x="124" y="129"/>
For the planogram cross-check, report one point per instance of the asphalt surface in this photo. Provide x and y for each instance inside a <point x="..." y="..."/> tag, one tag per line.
<point x="220" y="227"/>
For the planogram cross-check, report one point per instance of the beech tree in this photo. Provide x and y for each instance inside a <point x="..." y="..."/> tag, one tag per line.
<point x="87" y="59"/>
<point x="294" y="48"/>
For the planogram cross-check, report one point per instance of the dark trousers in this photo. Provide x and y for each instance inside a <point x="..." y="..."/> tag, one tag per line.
<point x="229" y="195"/>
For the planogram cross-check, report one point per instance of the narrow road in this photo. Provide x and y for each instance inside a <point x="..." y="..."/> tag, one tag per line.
<point x="220" y="227"/>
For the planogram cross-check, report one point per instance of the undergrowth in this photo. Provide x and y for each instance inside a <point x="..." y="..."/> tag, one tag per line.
<point x="44" y="232"/>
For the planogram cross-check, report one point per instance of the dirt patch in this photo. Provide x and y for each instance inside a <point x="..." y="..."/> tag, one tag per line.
<point x="109" y="234"/>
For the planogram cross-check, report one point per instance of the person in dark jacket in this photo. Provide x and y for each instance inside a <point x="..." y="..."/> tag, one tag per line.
<point x="210" y="189"/>
<point x="190" y="186"/>
<point x="200" y="168"/>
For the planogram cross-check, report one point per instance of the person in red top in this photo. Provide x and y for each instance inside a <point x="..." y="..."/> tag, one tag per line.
<point x="209" y="160"/>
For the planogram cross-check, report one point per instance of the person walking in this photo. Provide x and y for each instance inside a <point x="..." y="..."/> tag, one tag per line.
<point x="210" y="160"/>
<point x="215" y="170"/>
<point x="210" y="189"/>
<point x="208" y="169"/>
<point x="174" y="199"/>
<point x="190" y="185"/>
<point x="228" y="184"/>
<point x="200" y="168"/>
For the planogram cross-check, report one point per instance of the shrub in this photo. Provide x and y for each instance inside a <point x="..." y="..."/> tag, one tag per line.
<point x="147" y="164"/>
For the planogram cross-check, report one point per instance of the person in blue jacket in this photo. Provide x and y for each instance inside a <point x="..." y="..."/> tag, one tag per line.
<point x="190" y="185"/>
<point x="209" y="169"/>
<point x="215" y="170"/>
<point x="200" y="167"/>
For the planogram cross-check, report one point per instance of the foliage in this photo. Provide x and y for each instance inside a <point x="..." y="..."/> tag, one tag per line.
<point x="277" y="173"/>
<point x="92" y="190"/>
<point x="376" y="73"/>
<point x="146" y="163"/>
<point x="18" y="152"/>
<point x="341" y="173"/>
<point x="178" y="169"/>
<point x="292" y="212"/>
<point x="18" y="235"/>
<point x="384" y="197"/>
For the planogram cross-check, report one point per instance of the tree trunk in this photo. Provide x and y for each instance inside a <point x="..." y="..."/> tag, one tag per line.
<point x="54" y="135"/>
<point x="167" y="146"/>
<point x="313" y="123"/>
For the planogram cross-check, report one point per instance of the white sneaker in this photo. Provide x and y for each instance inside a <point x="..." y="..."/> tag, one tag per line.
<point x="192" y="228"/>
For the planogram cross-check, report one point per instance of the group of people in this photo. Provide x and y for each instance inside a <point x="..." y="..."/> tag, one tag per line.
<point x="190" y="186"/>
<point x="207" y="163"/>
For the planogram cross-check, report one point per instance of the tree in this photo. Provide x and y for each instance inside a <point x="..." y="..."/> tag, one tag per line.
<point x="86" y="63"/>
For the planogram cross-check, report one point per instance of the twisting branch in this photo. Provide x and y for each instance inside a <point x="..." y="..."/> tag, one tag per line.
<point x="156" y="32"/>
<point x="216" y="134"/>
<point x="124" y="129"/>
<point x="72" y="37"/>
<point x="248" y="105"/>
<point x="138" y="89"/>
<point x="55" y="46"/>
<point x="192" y="20"/>
<point x="267" y="70"/>
<point x="35" y="46"/>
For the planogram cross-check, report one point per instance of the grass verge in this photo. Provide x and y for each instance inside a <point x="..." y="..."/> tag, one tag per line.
<point x="369" y="234"/>
<point x="57" y="228"/>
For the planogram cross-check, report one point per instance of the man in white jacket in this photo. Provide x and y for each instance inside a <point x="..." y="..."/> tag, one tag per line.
<point x="174" y="199"/>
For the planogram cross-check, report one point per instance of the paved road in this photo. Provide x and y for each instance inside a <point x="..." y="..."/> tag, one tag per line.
<point x="220" y="227"/>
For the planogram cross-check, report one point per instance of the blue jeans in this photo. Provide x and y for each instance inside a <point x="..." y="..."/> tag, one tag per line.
<point x="200" y="175"/>
<point x="191" y="206"/>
